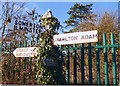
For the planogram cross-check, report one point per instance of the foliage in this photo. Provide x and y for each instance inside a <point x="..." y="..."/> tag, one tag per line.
<point x="47" y="73"/>
<point x="8" y="11"/>
<point x="15" y="70"/>
<point x="106" y="24"/>
<point x="78" y="14"/>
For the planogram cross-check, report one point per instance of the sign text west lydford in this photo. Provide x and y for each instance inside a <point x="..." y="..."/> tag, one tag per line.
<point x="75" y="38"/>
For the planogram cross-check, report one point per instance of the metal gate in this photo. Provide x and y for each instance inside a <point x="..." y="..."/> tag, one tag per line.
<point x="91" y="63"/>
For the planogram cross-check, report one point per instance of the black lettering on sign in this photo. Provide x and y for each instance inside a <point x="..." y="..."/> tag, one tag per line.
<point x="64" y="39"/>
<point x="69" y="38"/>
<point x="15" y="27"/>
<point x="76" y="38"/>
<point x="89" y="36"/>
<point x="20" y="27"/>
<point x="95" y="35"/>
<point x="58" y="39"/>
<point x="23" y="23"/>
<point x="86" y="36"/>
<point x="82" y="37"/>
<point x="20" y="22"/>
<point x="72" y="38"/>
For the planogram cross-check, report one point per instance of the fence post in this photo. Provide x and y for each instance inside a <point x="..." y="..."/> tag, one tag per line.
<point x="90" y="62"/>
<point x="75" y="65"/>
<point x="82" y="64"/>
<point x="105" y="61"/>
<point x="113" y="60"/>
<point x="67" y="67"/>
<point x="98" y="64"/>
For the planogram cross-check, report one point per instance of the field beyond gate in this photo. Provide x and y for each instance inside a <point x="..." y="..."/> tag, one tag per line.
<point x="92" y="63"/>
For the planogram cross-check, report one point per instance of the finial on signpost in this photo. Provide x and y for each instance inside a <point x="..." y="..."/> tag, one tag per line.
<point x="48" y="14"/>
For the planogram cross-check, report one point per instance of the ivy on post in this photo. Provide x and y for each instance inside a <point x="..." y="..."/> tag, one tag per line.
<point x="46" y="61"/>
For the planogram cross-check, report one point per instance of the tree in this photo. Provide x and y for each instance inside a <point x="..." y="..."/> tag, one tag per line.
<point x="25" y="34"/>
<point x="8" y="11"/>
<point x="78" y="14"/>
<point x="106" y="24"/>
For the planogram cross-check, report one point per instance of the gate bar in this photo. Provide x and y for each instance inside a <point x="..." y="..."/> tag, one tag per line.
<point x="75" y="64"/>
<point x="105" y="61"/>
<point x="90" y="62"/>
<point x="98" y="64"/>
<point x="113" y="60"/>
<point x="82" y="64"/>
<point x="67" y="66"/>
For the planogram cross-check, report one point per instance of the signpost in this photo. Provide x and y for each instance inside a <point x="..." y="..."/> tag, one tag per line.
<point x="75" y="38"/>
<point x="25" y="52"/>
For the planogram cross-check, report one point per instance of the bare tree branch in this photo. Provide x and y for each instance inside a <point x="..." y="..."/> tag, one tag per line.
<point x="9" y="11"/>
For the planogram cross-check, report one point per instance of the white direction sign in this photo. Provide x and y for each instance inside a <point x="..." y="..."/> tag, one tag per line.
<point x="76" y="37"/>
<point x="25" y="52"/>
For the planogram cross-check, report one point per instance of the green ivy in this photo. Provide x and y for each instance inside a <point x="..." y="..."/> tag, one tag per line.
<point x="47" y="74"/>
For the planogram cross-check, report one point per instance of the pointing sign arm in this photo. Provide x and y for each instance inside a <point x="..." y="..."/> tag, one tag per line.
<point x="25" y="52"/>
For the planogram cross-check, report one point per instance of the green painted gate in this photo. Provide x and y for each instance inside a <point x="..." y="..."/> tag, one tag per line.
<point x="92" y="63"/>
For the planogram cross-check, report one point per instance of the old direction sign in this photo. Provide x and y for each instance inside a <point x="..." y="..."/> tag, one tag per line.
<point x="25" y="52"/>
<point x="76" y="37"/>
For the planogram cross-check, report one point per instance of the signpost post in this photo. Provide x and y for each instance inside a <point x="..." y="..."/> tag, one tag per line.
<point x="76" y="38"/>
<point x="25" y="52"/>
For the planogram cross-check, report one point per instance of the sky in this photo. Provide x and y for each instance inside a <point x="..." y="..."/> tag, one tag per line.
<point x="59" y="9"/>
<point x="60" y="0"/>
